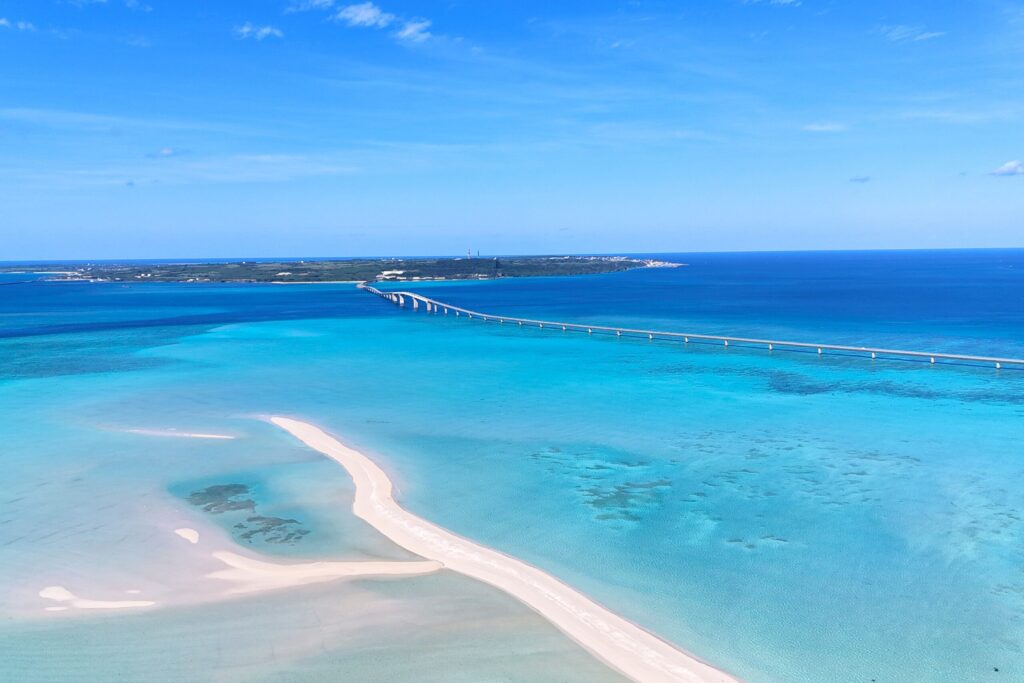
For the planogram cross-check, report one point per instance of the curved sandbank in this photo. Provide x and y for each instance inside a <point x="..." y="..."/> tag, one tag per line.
<point x="619" y="643"/>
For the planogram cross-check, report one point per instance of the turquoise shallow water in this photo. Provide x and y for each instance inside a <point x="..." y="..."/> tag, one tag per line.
<point x="784" y="516"/>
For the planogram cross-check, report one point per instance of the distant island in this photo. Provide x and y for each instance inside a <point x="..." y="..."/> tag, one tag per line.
<point x="349" y="270"/>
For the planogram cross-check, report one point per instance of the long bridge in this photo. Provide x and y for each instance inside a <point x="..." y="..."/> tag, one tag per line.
<point x="439" y="307"/>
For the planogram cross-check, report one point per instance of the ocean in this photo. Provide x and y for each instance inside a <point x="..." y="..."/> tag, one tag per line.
<point x="783" y="516"/>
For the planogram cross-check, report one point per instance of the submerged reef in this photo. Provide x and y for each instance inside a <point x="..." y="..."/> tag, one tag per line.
<point x="234" y="498"/>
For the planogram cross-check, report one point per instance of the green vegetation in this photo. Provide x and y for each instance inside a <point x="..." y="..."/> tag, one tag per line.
<point x="348" y="270"/>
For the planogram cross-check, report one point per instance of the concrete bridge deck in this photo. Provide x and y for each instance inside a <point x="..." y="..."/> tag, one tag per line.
<point x="434" y="306"/>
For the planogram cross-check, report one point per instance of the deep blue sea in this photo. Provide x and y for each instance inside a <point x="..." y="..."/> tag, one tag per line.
<point x="785" y="516"/>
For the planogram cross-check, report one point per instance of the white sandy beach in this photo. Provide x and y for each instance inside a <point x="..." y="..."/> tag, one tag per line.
<point x="626" y="647"/>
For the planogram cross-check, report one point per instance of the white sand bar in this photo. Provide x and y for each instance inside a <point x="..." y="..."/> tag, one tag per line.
<point x="251" y="575"/>
<point x="190" y="535"/>
<point x="63" y="595"/>
<point x="175" y="433"/>
<point x="626" y="647"/>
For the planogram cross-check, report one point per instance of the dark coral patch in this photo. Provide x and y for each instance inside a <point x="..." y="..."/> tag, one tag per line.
<point x="234" y="498"/>
<point x="223" y="498"/>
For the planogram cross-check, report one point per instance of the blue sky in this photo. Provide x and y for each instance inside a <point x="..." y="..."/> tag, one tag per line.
<point x="177" y="128"/>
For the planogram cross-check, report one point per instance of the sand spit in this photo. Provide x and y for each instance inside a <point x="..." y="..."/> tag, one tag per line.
<point x="68" y="599"/>
<point x="251" y="575"/>
<point x="621" y="644"/>
<point x="177" y="434"/>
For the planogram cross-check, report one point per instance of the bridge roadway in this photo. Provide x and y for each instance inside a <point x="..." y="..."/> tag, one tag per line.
<point x="434" y="306"/>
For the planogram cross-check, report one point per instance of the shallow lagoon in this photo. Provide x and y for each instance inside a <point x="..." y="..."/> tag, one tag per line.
<point x="784" y="516"/>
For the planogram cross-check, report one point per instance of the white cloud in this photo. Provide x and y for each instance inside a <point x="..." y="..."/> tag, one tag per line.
<point x="364" y="14"/>
<point x="777" y="3"/>
<point x="307" y="5"/>
<point x="20" y="25"/>
<point x="414" y="31"/>
<point x="130" y="4"/>
<point x="163" y="153"/>
<point x="825" y="127"/>
<point x="250" y="30"/>
<point x="902" y="33"/>
<point x="1010" y="168"/>
<point x="369" y="15"/>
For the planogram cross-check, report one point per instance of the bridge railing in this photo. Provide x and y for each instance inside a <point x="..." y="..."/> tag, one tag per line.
<point x="434" y="306"/>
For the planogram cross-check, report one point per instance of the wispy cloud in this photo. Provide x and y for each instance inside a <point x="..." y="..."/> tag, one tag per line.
<point x="777" y="3"/>
<point x="19" y="25"/>
<point x="903" y="33"/>
<point x="103" y="123"/>
<point x="368" y="15"/>
<point x="130" y="4"/>
<point x="228" y="169"/>
<point x="825" y="127"/>
<point x="414" y="31"/>
<point x="365" y="14"/>
<point x="250" y="30"/>
<point x="1010" y="168"/>
<point x="163" y="153"/>
<point x="307" y="5"/>
<point x="963" y="117"/>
